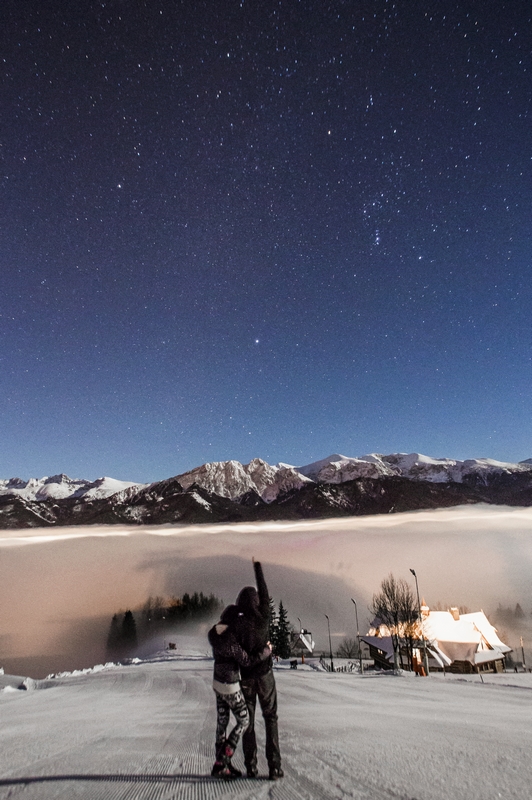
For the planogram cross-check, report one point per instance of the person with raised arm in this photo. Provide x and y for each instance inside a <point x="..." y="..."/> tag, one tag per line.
<point x="258" y="680"/>
<point x="229" y="658"/>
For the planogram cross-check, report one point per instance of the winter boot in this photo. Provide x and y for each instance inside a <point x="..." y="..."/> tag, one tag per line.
<point x="228" y="754"/>
<point x="220" y="770"/>
<point x="275" y="773"/>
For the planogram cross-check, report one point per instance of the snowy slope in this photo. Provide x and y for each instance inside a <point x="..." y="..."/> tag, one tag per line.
<point x="415" y="466"/>
<point x="338" y="468"/>
<point x="59" y="487"/>
<point x="146" y="731"/>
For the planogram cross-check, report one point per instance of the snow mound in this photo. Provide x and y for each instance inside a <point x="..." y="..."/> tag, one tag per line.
<point x="88" y="671"/>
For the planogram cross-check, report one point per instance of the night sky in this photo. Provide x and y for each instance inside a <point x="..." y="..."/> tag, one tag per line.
<point x="263" y="228"/>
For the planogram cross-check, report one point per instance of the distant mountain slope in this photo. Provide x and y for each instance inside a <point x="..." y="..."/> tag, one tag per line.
<point x="416" y="466"/>
<point x="228" y="491"/>
<point x="58" y="487"/>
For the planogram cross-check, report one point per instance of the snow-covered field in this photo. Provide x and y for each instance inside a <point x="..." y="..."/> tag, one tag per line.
<point x="146" y="731"/>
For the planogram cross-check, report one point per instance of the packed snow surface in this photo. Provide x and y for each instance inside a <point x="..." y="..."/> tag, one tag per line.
<point x="146" y="731"/>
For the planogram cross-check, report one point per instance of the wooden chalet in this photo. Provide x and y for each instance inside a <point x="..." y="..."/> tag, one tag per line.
<point x="455" y="642"/>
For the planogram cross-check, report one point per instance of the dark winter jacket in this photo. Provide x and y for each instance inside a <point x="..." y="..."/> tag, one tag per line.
<point x="228" y="654"/>
<point x="253" y="624"/>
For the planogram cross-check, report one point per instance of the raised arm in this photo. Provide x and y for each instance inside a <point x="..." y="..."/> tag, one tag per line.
<point x="264" y="597"/>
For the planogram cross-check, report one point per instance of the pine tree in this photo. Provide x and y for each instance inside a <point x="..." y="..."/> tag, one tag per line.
<point x="174" y="607"/>
<point x="129" y="631"/>
<point x="114" y="639"/>
<point x="273" y="629"/>
<point x="283" y="633"/>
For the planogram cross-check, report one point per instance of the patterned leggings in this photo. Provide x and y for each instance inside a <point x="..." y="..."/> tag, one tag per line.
<point x="237" y="704"/>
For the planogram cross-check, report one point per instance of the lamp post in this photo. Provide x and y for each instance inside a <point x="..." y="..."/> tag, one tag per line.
<point x="358" y="637"/>
<point x="330" y="645"/>
<point x="425" y="656"/>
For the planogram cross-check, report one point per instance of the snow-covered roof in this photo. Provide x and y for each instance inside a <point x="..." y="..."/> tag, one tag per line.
<point x="383" y="643"/>
<point x="460" y="636"/>
<point x="451" y="637"/>
<point x="305" y="641"/>
<point x="482" y="623"/>
<point x="483" y="656"/>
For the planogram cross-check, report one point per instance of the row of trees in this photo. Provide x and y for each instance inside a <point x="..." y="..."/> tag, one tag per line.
<point x="122" y="638"/>
<point x="510" y="616"/>
<point x="130" y="629"/>
<point x="196" y="607"/>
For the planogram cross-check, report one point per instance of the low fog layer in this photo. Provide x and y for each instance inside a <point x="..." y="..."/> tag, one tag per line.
<point x="59" y="589"/>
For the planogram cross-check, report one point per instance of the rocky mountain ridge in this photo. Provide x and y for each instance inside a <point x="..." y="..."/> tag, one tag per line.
<point x="229" y="491"/>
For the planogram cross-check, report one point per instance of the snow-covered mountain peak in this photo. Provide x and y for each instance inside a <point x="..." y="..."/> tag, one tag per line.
<point x="59" y="487"/>
<point x="409" y="460"/>
<point x="233" y="480"/>
<point x="106" y="487"/>
<point x="338" y="469"/>
<point x="415" y="466"/>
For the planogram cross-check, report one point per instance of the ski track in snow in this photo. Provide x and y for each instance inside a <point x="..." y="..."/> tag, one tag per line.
<point x="145" y="732"/>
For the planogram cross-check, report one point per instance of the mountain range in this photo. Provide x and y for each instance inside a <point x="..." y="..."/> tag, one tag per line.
<point x="228" y="491"/>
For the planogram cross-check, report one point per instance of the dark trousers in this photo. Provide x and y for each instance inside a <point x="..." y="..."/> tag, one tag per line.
<point x="263" y="687"/>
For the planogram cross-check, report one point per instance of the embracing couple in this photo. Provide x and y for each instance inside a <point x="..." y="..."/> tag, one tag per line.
<point x="243" y="671"/>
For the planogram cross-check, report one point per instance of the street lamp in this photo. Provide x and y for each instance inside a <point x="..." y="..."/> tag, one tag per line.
<point x="425" y="656"/>
<point x="358" y="637"/>
<point x="330" y="645"/>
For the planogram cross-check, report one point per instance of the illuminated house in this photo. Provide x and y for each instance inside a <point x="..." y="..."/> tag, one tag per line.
<point x="455" y="642"/>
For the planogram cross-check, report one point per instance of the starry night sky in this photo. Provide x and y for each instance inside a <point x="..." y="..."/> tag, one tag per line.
<point x="263" y="228"/>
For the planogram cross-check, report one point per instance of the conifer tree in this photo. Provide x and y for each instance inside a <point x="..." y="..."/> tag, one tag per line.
<point x="273" y="627"/>
<point x="174" y="607"/>
<point x="283" y="633"/>
<point x="129" y="631"/>
<point x="114" y="639"/>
